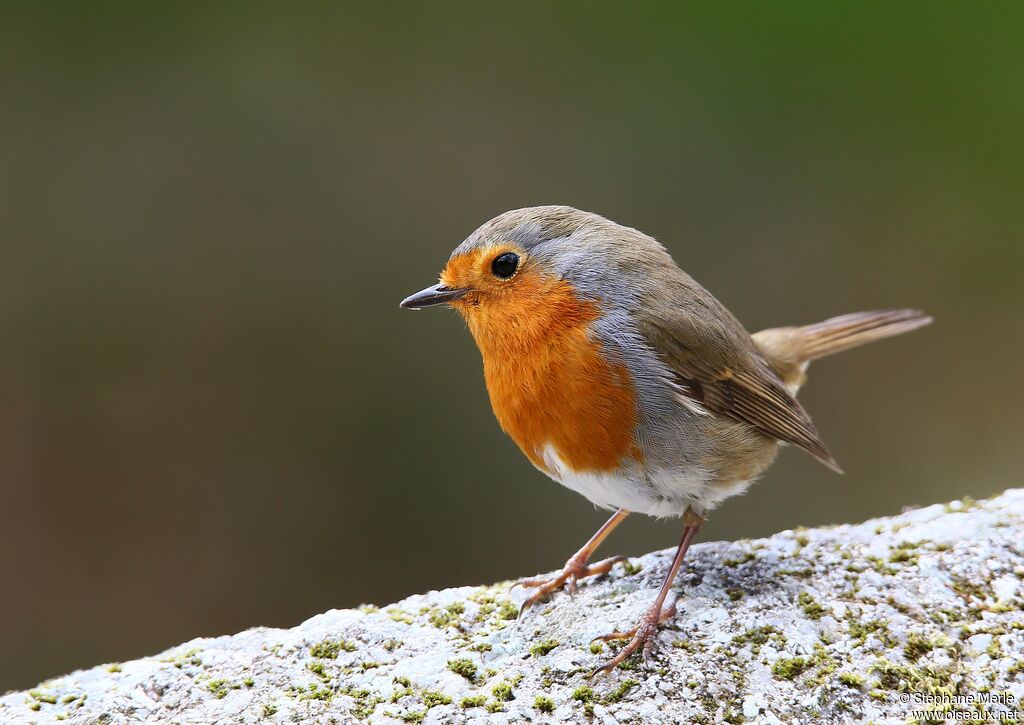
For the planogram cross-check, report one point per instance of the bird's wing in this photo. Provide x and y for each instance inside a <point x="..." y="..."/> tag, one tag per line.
<point x="715" y="362"/>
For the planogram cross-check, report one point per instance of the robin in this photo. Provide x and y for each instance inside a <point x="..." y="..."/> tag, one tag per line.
<point x="623" y="379"/>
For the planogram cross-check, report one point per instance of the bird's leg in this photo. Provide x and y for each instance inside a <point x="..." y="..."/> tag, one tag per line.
<point x="643" y="634"/>
<point x="577" y="567"/>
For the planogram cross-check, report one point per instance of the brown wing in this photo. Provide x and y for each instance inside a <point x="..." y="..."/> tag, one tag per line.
<point x="715" y="360"/>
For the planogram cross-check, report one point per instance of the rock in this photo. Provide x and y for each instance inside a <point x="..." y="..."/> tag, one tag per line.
<point x="922" y="611"/>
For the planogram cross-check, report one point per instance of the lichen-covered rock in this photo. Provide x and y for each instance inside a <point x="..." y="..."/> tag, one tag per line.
<point x="883" y="621"/>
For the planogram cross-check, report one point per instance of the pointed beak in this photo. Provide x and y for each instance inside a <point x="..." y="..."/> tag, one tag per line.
<point x="436" y="295"/>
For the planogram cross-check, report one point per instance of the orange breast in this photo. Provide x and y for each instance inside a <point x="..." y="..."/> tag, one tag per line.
<point x="550" y="384"/>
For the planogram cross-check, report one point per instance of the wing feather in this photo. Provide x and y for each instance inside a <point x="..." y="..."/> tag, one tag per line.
<point x="716" y="362"/>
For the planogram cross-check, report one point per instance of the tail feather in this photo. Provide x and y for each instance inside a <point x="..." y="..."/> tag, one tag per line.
<point x="789" y="349"/>
<point x="847" y="331"/>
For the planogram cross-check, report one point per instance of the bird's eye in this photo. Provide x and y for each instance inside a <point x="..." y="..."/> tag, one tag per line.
<point x="505" y="265"/>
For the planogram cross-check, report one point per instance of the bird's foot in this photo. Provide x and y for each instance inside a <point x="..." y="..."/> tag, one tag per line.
<point x="642" y="635"/>
<point x="577" y="568"/>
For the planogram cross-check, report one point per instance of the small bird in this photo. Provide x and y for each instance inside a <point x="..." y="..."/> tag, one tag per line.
<point x="623" y="379"/>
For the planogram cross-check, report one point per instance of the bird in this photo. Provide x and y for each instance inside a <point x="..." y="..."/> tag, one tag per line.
<point x="623" y="379"/>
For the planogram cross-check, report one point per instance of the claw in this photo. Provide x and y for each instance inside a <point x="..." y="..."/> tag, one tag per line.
<point x="641" y="636"/>
<point x="573" y="571"/>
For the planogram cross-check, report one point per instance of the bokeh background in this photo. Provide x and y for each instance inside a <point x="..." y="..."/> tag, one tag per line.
<point x="213" y="414"/>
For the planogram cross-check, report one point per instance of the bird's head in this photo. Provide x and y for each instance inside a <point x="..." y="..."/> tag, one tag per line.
<point x="530" y="272"/>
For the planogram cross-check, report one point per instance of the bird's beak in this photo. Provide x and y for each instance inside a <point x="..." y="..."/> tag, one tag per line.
<point x="436" y="295"/>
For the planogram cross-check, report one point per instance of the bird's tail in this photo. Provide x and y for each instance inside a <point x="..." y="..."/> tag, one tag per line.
<point x="789" y="349"/>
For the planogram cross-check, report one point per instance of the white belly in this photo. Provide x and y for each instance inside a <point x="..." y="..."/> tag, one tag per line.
<point x="654" y="494"/>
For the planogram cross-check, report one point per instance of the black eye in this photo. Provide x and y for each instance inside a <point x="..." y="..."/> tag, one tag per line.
<point x="505" y="265"/>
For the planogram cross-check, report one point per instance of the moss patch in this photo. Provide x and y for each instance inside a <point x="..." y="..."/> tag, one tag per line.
<point x="812" y="608"/>
<point x="464" y="667"/>
<point x="789" y="668"/>
<point x="543" y="648"/>
<point x="543" y="704"/>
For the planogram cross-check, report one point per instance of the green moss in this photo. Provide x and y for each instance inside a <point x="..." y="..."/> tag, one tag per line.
<point x="630" y="568"/>
<point x="811" y="607"/>
<point x="316" y="692"/>
<point x="824" y="665"/>
<point x="544" y="704"/>
<point x="507" y="610"/>
<point x="433" y="698"/>
<point x="399" y="694"/>
<point x="447" y="617"/>
<point x="789" y="668"/>
<point x="414" y="716"/>
<point x="735" y="594"/>
<point x="502" y="692"/>
<point x="860" y="630"/>
<point x="317" y="668"/>
<point x="903" y="678"/>
<point x="43" y="697"/>
<point x="269" y="710"/>
<point x="901" y="556"/>
<point x="403" y="681"/>
<point x="494" y="706"/>
<point x="189" y="657"/>
<point x="392" y="644"/>
<point x="851" y="679"/>
<point x="248" y="682"/>
<point x="543" y="648"/>
<point x="464" y="667"/>
<point x="330" y="648"/>
<point x="482" y="647"/>
<point x="596" y="648"/>
<point x="366" y="706"/>
<point x="995" y="650"/>
<point x="621" y="691"/>
<point x="755" y="637"/>
<point x="880" y="566"/>
<point x="473" y="701"/>
<point x="748" y="556"/>
<point x="219" y="688"/>
<point x="797" y="573"/>
<point x="115" y="667"/>
<point x="399" y="615"/>
<point x="919" y="645"/>
<point x="583" y="693"/>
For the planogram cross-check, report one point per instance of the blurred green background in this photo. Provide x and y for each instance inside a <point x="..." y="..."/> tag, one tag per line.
<point x="213" y="414"/>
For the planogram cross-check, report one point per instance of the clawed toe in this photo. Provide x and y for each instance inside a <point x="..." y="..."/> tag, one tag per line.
<point x="642" y="637"/>
<point x="567" y="579"/>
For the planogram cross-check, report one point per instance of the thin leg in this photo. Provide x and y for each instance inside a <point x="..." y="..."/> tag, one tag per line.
<point x="643" y="634"/>
<point x="577" y="567"/>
